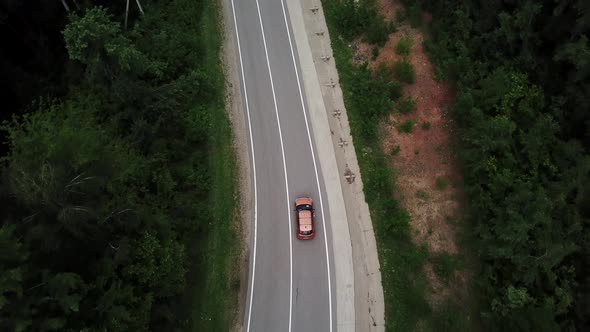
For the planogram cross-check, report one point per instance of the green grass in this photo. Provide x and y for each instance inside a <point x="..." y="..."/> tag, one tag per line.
<point x="406" y="127"/>
<point x="445" y="265"/>
<point x="403" y="46"/>
<point x="426" y="125"/>
<point x="213" y="282"/>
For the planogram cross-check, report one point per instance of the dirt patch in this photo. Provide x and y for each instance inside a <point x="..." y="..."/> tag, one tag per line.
<point x="428" y="182"/>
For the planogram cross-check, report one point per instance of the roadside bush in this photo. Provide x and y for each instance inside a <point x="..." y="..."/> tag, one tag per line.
<point x="422" y="195"/>
<point x="412" y="12"/>
<point x="406" y="127"/>
<point x="354" y="19"/>
<point x="442" y="183"/>
<point x="392" y="27"/>
<point x="400" y="15"/>
<point x="377" y="32"/>
<point x="385" y="74"/>
<point x="395" y="89"/>
<point x="407" y="105"/>
<point x="404" y="71"/>
<point x="403" y="46"/>
<point x="375" y="53"/>
<point x="448" y="318"/>
<point x="445" y="265"/>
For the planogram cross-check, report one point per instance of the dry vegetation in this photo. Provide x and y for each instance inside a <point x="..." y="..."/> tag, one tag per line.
<point x="428" y="180"/>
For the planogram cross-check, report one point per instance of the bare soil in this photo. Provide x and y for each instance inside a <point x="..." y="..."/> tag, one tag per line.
<point x="424" y="155"/>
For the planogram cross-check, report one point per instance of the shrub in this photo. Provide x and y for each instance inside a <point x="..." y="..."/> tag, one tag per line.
<point x="392" y="27"/>
<point x="406" y="127"/>
<point x="382" y="71"/>
<point x="445" y="265"/>
<point x="403" y="46"/>
<point x="422" y="195"/>
<point x="404" y="71"/>
<point x="407" y="105"/>
<point x="377" y="32"/>
<point x="375" y="52"/>
<point x="442" y="183"/>
<point x="414" y="15"/>
<point x="395" y="150"/>
<point x="385" y="73"/>
<point x="400" y="15"/>
<point x="395" y="90"/>
<point x="425" y="125"/>
<point x="411" y="12"/>
<point x="449" y="317"/>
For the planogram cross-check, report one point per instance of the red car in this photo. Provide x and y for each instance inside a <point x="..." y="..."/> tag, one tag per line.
<point x="304" y="210"/>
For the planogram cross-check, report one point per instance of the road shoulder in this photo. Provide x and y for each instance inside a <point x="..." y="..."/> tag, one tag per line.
<point x="234" y="109"/>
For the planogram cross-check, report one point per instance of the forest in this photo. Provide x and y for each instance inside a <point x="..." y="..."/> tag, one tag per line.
<point x="521" y="72"/>
<point x="116" y="168"/>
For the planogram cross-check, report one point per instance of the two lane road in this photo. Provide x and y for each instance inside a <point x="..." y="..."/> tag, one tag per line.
<point x="291" y="281"/>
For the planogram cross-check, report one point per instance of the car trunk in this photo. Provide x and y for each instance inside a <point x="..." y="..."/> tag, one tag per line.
<point x="305" y="220"/>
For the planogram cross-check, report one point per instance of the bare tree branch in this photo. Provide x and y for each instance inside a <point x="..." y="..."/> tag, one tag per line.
<point x="126" y="14"/>
<point x="114" y="214"/>
<point x="67" y="8"/>
<point x="139" y="5"/>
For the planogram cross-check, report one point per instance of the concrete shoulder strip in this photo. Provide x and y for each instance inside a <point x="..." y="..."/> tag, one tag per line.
<point x="341" y="245"/>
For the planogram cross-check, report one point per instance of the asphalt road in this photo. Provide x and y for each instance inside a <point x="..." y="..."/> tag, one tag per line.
<point x="291" y="282"/>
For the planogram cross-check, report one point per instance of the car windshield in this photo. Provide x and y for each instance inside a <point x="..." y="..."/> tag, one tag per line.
<point x="305" y="232"/>
<point x="304" y="207"/>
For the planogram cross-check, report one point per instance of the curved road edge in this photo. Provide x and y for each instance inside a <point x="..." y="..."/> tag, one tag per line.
<point x="366" y="311"/>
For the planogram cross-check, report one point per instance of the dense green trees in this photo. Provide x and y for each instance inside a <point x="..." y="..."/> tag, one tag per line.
<point x="104" y="187"/>
<point x="354" y="20"/>
<point x="522" y="75"/>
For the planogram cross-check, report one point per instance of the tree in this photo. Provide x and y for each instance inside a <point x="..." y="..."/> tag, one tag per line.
<point x="97" y="41"/>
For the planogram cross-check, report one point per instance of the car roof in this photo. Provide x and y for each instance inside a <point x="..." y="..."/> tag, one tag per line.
<point x="303" y="201"/>
<point x="305" y="217"/>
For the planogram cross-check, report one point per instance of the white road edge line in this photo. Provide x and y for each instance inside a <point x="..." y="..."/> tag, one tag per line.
<point x="313" y="158"/>
<point x="274" y="98"/>
<point x="253" y="165"/>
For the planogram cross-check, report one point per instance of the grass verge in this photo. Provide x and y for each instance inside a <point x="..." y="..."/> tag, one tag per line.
<point x="213" y="282"/>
